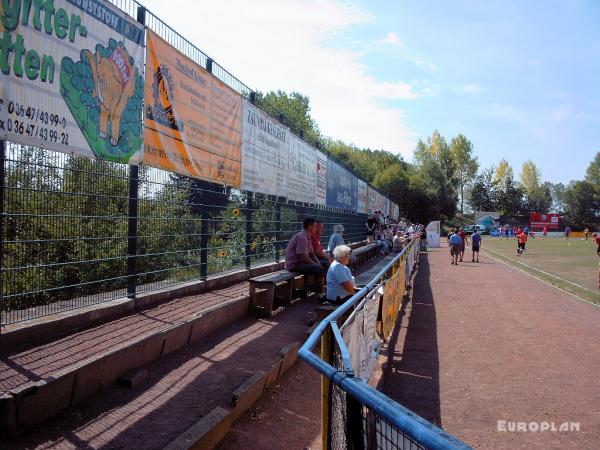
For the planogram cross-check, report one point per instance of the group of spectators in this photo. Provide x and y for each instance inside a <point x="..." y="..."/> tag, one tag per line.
<point x="330" y="266"/>
<point x="458" y="240"/>
<point x="305" y="254"/>
<point x="389" y="235"/>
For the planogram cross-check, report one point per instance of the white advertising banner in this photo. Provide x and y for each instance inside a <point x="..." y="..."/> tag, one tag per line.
<point x="379" y="203"/>
<point x="361" y="205"/>
<point x="265" y="148"/>
<point x="73" y="81"/>
<point x="360" y="336"/>
<point x="302" y="171"/>
<point x="321" y="192"/>
<point x="371" y="199"/>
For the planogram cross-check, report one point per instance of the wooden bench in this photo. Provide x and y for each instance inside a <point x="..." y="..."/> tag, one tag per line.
<point x="278" y="284"/>
<point x="366" y="253"/>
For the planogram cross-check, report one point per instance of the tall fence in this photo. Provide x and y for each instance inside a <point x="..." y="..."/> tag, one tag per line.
<point x="356" y="415"/>
<point x="77" y="231"/>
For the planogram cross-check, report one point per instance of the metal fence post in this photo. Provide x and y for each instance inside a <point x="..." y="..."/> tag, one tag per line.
<point x="248" y="246"/>
<point x="278" y="233"/>
<point x="132" y="230"/>
<point x="327" y="356"/>
<point x="354" y="425"/>
<point x="203" y="237"/>
<point x="2" y="215"/>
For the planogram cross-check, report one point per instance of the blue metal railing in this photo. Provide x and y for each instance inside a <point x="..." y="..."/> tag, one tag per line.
<point x="422" y="432"/>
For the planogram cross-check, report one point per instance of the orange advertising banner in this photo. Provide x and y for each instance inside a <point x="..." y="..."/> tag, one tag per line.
<point x="192" y="121"/>
<point x="392" y="298"/>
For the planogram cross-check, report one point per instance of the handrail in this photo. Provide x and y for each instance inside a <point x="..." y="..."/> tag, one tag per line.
<point x="420" y="430"/>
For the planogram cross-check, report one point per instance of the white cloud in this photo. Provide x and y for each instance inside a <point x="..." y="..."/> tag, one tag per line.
<point x="392" y="39"/>
<point x="419" y="60"/>
<point x="471" y="88"/>
<point x="291" y="45"/>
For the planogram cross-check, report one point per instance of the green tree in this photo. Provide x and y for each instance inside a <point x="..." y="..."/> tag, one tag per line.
<point x="509" y="199"/>
<point x="503" y="171"/>
<point x="465" y="164"/>
<point x="435" y="174"/>
<point x="366" y="163"/>
<point x="593" y="171"/>
<point x="582" y="204"/>
<point x="557" y="192"/>
<point x="538" y="197"/>
<point x="482" y="194"/>
<point x="530" y="177"/>
<point x="293" y="110"/>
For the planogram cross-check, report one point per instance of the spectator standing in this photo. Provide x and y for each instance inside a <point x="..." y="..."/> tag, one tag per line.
<point x="463" y="236"/>
<point x="475" y="244"/>
<point x="545" y="232"/>
<point x="423" y="242"/>
<point x="567" y="232"/>
<point x="371" y="224"/>
<point x="586" y="232"/>
<point x="456" y="244"/>
<point x="340" y="282"/>
<point x="300" y="256"/>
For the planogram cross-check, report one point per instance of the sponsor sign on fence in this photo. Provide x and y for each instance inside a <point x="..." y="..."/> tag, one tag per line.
<point x="265" y="148"/>
<point x="342" y="187"/>
<point x="538" y="221"/>
<point x="361" y="197"/>
<point x="72" y="77"/>
<point x="371" y="199"/>
<point x="392" y="297"/>
<point x="360" y="335"/>
<point x="321" y="191"/>
<point x="193" y="121"/>
<point x="302" y="171"/>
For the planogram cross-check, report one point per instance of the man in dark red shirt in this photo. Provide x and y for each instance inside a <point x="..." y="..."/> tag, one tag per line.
<point x="463" y="236"/>
<point x="315" y="239"/>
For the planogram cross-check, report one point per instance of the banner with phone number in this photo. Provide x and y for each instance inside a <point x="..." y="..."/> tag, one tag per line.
<point x="193" y="121"/>
<point x="73" y="82"/>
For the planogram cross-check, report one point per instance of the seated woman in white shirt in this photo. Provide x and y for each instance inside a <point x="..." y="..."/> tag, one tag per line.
<point x="340" y="282"/>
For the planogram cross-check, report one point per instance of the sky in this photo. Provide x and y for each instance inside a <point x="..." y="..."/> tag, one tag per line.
<point x="520" y="79"/>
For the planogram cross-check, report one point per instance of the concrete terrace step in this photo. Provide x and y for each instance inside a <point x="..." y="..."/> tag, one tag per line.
<point x="225" y="371"/>
<point x="44" y="380"/>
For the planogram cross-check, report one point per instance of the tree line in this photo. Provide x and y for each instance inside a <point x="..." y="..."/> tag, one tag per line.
<point x="497" y="189"/>
<point x="431" y="187"/>
<point x="445" y="176"/>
